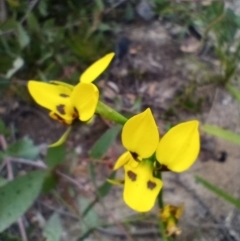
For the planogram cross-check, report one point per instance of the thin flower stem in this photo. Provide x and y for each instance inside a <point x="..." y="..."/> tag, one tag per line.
<point x="110" y="114"/>
<point x="161" y="206"/>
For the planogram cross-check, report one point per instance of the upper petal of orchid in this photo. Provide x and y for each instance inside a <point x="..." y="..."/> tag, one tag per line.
<point x="179" y="148"/>
<point x="56" y="82"/>
<point x="140" y="134"/>
<point x="92" y="72"/>
<point x="141" y="188"/>
<point x="84" y="98"/>
<point x="53" y="97"/>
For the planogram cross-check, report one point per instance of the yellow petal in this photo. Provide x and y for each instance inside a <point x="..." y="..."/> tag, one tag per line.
<point x="179" y="148"/>
<point x="56" y="117"/>
<point x="56" y="82"/>
<point x="92" y="72"/>
<point x="140" y="134"/>
<point x="85" y="98"/>
<point x="141" y="188"/>
<point x="122" y="160"/>
<point x="55" y="98"/>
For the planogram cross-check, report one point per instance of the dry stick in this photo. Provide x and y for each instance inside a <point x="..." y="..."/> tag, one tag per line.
<point x="30" y="8"/>
<point x="114" y="6"/>
<point x="69" y="179"/>
<point x="42" y="165"/>
<point x="10" y="177"/>
<point x="57" y="210"/>
<point x="39" y="163"/>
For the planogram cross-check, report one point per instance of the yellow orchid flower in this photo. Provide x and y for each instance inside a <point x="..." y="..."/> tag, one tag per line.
<point x="67" y="102"/>
<point x="177" y="151"/>
<point x="170" y="216"/>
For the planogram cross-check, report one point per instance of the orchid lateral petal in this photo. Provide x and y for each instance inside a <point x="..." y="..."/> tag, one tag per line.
<point x="140" y="134"/>
<point x="53" y="97"/>
<point x="92" y="72"/>
<point x="179" y="147"/>
<point x="122" y="160"/>
<point x="84" y="98"/>
<point x="63" y="138"/>
<point x="141" y="188"/>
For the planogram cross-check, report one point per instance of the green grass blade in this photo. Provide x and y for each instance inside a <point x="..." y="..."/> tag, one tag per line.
<point x="221" y="133"/>
<point x="233" y="91"/>
<point x="219" y="192"/>
<point x="104" y="142"/>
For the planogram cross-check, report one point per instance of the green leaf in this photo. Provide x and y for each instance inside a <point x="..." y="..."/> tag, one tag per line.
<point x="53" y="228"/>
<point x="3" y="181"/>
<point x="55" y="156"/>
<point x="43" y="8"/>
<point x="105" y="188"/>
<point x="104" y="27"/>
<point x="23" y="37"/>
<point x="129" y="12"/>
<point x="90" y="220"/>
<point x="100" y="5"/>
<point x="9" y="25"/>
<point x="23" y="148"/>
<point x="221" y="133"/>
<point x="104" y="142"/>
<point x="3" y="128"/>
<point x="219" y="192"/>
<point x="17" y="196"/>
<point x="50" y="182"/>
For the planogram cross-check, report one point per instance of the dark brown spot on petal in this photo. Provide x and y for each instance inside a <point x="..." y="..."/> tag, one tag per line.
<point x="132" y="175"/>
<point x="134" y="155"/>
<point x="64" y="95"/>
<point x="151" y="185"/>
<point x="76" y="113"/>
<point x="60" y="109"/>
<point x="57" y="117"/>
<point x="164" y="168"/>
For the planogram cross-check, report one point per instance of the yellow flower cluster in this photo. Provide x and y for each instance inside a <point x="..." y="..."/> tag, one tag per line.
<point x="67" y="102"/>
<point x="177" y="150"/>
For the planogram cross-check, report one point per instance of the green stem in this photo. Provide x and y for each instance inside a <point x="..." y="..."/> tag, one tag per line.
<point x="212" y="24"/>
<point x="162" y="228"/>
<point x="110" y="114"/>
